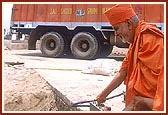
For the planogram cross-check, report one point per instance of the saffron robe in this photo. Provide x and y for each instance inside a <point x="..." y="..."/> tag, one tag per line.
<point x="144" y="63"/>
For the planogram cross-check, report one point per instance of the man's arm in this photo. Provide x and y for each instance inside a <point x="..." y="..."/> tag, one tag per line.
<point x="118" y="79"/>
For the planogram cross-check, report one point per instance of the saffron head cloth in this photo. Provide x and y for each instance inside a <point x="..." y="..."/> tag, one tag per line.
<point x="119" y="13"/>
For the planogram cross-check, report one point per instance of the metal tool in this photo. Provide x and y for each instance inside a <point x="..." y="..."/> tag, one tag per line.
<point x="94" y="107"/>
<point x="93" y="103"/>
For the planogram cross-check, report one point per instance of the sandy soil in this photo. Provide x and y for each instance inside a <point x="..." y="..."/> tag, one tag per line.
<point x="24" y="89"/>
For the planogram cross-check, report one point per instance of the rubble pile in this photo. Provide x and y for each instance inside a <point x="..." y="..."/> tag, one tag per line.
<point x="107" y="67"/>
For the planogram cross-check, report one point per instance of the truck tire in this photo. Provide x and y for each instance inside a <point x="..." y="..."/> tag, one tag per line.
<point x="52" y="44"/>
<point x="84" y="46"/>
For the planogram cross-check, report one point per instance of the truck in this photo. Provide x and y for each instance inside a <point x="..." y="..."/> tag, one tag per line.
<point x="78" y="30"/>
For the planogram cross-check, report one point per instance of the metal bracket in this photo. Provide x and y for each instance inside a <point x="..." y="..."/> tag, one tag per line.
<point x="93" y="107"/>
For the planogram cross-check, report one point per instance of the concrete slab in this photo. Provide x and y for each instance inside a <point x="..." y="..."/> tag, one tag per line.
<point x="82" y="87"/>
<point x="67" y="80"/>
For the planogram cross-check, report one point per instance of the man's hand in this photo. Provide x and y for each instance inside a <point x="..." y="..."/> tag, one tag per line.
<point x="143" y="103"/>
<point x="100" y="99"/>
<point x="140" y="103"/>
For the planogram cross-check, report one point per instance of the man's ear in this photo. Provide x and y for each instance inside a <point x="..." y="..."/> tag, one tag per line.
<point x="129" y="24"/>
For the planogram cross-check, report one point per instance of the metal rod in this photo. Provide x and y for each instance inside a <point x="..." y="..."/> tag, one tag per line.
<point x="76" y="104"/>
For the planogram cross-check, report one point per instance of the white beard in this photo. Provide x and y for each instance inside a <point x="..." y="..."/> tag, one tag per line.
<point x="123" y="40"/>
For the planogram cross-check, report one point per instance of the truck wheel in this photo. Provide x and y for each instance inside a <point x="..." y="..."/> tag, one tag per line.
<point x="84" y="46"/>
<point x="52" y="44"/>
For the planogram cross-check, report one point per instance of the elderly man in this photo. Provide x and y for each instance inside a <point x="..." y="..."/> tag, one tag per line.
<point x="142" y="69"/>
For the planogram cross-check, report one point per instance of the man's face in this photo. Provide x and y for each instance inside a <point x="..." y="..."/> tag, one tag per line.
<point x="123" y="32"/>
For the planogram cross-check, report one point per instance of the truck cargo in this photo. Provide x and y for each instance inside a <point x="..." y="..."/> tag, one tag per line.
<point x="80" y="30"/>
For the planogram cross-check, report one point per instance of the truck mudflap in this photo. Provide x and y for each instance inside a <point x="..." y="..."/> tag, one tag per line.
<point x="34" y="36"/>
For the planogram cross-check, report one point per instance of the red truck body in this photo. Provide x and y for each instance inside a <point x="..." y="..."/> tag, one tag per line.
<point x="73" y="12"/>
<point x="68" y="21"/>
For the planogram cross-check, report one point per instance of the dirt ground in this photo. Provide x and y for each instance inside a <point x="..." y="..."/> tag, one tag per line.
<point x="24" y="89"/>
